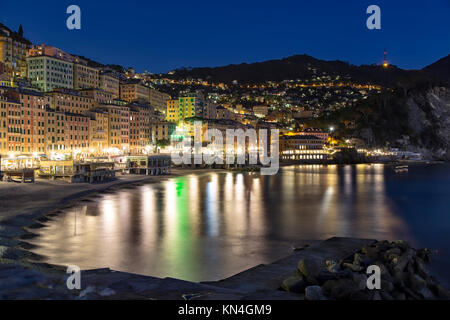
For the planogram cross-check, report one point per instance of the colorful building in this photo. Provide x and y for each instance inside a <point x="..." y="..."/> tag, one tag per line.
<point x="49" y="73"/>
<point x="85" y="77"/>
<point x="13" y="51"/>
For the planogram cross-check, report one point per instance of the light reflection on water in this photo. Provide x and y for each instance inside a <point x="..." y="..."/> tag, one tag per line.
<point x="212" y="225"/>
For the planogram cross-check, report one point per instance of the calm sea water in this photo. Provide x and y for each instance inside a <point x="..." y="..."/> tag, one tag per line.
<point x="209" y="226"/>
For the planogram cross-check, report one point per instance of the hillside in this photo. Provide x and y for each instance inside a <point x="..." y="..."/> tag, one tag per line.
<point x="416" y="118"/>
<point x="297" y="67"/>
<point x="440" y="69"/>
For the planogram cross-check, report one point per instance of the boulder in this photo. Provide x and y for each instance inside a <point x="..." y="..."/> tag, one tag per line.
<point x="385" y="295"/>
<point x="342" y="289"/>
<point x="424" y="254"/>
<point x="362" y="260"/>
<point x="401" y="244"/>
<point x="360" y="281"/>
<point x="420" y="268"/>
<point x="391" y="254"/>
<point x="371" y="252"/>
<point x="353" y="267"/>
<point x="310" y="269"/>
<point x="387" y="286"/>
<point x="314" y="293"/>
<point x="294" y="284"/>
<point x="333" y="266"/>
<point x="416" y="282"/>
<point x="400" y="296"/>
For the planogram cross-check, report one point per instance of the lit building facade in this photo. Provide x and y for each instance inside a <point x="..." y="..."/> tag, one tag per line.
<point x="188" y="106"/>
<point x="303" y="148"/>
<point x="85" y="77"/>
<point x="158" y="100"/>
<point x="134" y="92"/>
<point x="13" y="52"/>
<point x="49" y="73"/>
<point x="110" y="84"/>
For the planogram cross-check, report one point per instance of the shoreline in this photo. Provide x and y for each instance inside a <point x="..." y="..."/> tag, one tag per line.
<point x="27" y="206"/>
<point x="21" y="264"/>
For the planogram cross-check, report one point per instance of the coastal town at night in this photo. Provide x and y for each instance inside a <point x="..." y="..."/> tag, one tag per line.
<point x="164" y="165"/>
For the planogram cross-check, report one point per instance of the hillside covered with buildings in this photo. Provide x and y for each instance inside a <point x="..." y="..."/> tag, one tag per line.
<point x="57" y="104"/>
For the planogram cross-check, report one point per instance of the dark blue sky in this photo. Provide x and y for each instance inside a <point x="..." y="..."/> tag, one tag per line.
<point x="162" y="35"/>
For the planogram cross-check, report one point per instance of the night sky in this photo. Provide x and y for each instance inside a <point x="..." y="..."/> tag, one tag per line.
<point x="159" y="36"/>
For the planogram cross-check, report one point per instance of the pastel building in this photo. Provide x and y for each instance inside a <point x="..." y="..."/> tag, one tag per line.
<point x="49" y="73"/>
<point x="85" y="77"/>
<point x="13" y="51"/>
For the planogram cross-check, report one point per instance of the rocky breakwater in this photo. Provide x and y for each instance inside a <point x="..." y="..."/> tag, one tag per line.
<point x="404" y="275"/>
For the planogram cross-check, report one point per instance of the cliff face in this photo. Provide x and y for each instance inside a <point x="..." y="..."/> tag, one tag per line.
<point x="415" y="119"/>
<point x="428" y="119"/>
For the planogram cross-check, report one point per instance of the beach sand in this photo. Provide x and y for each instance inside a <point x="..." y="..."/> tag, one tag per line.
<point x="43" y="196"/>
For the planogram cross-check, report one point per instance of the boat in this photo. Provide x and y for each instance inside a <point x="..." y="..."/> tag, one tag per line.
<point x="401" y="169"/>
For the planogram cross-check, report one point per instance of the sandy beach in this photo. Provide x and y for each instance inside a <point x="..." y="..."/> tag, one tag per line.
<point x="32" y="200"/>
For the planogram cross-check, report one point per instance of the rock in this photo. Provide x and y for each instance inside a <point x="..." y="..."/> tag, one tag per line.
<point x="333" y="266"/>
<point x="401" y="262"/>
<point x="329" y="285"/>
<point x="440" y="291"/>
<point x="377" y="296"/>
<point x="424" y="254"/>
<point x="314" y="293"/>
<point x="294" y="284"/>
<point x="386" y="295"/>
<point x="383" y="246"/>
<point x="342" y="289"/>
<point x="325" y="276"/>
<point x="370" y="252"/>
<point x="420" y="267"/>
<point x="309" y="268"/>
<point x="360" y="281"/>
<point x="387" y="286"/>
<point x="426" y="293"/>
<point x="89" y="290"/>
<point x="391" y="254"/>
<point x="107" y="292"/>
<point x="411" y="294"/>
<point x="416" y="282"/>
<point x="403" y="245"/>
<point x="362" y="260"/>
<point x="362" y="295"/>
<point x="399" y="296"/>
<point x="353" y="267"/>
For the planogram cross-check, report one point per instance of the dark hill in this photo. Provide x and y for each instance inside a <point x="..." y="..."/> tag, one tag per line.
<point x="296" y="67"/>
<point x="440" y="69"/>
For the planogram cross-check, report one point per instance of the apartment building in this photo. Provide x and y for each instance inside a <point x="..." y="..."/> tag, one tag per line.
<point x="134" y="92"/>
<point x="85" y="77"/>
<point x="99" y="128"/>
<point x="114" y="113"/>
<point x="10" y="125"/>
<point x="163" y="130"/>
<point x="100" y="96"/>
<point x="158" y="100"/>
<point x="110" y="84"/>
<point x="55" y="131"/>
<point x="76" y="129"/>
<point x="13" y="51"/>
<point x="71" y="101"/>
<point x="188" y="106"/>
<point x="49" y="73"/>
